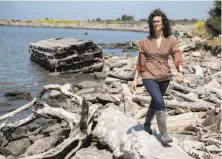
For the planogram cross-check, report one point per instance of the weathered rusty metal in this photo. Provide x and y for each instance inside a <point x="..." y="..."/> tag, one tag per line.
<point x="67" y="55"/>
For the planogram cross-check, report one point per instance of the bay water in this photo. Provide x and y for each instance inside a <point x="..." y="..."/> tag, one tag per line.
<point x="18" y="72"/>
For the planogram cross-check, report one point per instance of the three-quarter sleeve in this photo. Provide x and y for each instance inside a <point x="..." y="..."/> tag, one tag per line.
<point x="141" y="59"/>
<point x="176" y="54"/>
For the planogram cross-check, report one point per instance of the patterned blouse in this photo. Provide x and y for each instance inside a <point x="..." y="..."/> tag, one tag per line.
<point x="153" y="62"/>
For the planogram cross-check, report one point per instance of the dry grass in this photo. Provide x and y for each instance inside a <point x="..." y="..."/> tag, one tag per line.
<point x="214" y="42"/>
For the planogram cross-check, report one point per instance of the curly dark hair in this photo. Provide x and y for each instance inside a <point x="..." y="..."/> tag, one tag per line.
<point x="165" y="21"/>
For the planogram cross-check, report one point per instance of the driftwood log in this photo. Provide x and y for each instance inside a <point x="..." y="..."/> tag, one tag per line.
<point x="80" y="123"/>
<point x="128" y="140"/>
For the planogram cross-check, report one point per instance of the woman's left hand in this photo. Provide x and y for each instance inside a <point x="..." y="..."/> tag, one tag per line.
<point x="180" y="77"/>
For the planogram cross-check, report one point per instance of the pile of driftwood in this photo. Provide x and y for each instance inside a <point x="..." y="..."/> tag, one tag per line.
<point x="67" y="55"/>
<point x="96" y="117"/>
<point x="105" y="119"/>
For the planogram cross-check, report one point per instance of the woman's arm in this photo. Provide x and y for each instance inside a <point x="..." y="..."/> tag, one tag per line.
<point x="140" y="67"/>
<point x="136" y="75"/>
<point x="177" y="57"/>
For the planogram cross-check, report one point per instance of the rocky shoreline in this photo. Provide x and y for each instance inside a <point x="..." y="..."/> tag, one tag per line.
<point x="91" y="120"/>
<point x="137" y="27"/>
<point x="140" y="27"/>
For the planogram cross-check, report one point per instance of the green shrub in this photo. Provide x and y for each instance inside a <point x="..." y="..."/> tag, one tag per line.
<point x="214" y="22"/>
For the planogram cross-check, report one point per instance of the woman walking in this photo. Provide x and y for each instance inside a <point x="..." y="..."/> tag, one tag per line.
<point x="155" y="71"/>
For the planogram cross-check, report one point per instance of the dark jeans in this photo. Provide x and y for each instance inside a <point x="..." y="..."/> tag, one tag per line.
<point x="156" y="91"/>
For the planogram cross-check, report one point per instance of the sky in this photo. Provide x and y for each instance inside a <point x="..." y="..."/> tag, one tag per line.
<point x="89" y="10"/>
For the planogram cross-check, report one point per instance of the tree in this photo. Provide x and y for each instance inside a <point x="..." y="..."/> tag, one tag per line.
<point x="130" y="18"/>
<point x="127" y="18"/>
<point x="143" y="19"/>
<point x="98" y="19"/>
<point x="193" y="20"/>
<point x="214" y="22"/>
<point x="124" y="17"/>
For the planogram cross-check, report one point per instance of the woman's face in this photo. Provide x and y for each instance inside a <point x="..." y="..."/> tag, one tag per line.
<point x="157" y="23"/>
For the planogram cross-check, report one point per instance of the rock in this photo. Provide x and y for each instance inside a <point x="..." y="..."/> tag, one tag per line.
<point x="178" y="111"/>
<point x="1" y="138"/>
<point x="213" y="64"/>
<point x="117" y="97"/>
<point x="105" y="98"/>
<point x="45" y="122"/>
<point x="86" y="84"/>
<point x="10" y="157"/>
<point x="114" y="45"/>
<point x="21" y="129"/>
<point x="17" y="95"/>
<point x="5" y="152"/>
<point x="112" y="105"/>
<point x="187" y="48"/>
<point x="19" y="146"/>
<point x="213" y="148"/>
<point x="213" y="120"/>
<point x="41" y="145"/>
<point x="33" y="138"/>
<point x="33" y="126"/>
<point x="197" y="39"/>
<point x="2" y="157"/>
<point x="118" y="64"/>
<point x="90" y="97"/>
<point x="92" y="153"/>
<point x="121" y="74"/>
<point x="198" y="70"/>
<point x="75" y="89"/>
<point x="85" y="91"/>
<point x="212" y="84"/>
<point x="106" y="69"/>
<point x="113" y="88"/>
<point x="56" y="94"/>
<point x="196" y="54"/>
<point x="4" y="104"/>
<point x="100" y="75"/>
<point x="52" y="129"/>
<point x="193" y="81"/>
<point x="187" y="144"/>
<point x="110" y="80"/>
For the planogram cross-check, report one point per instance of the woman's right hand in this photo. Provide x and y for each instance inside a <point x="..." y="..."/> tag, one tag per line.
<point x="134" y="85"/>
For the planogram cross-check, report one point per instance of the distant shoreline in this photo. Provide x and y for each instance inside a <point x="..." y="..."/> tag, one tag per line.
<point x="91" y="26"/>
